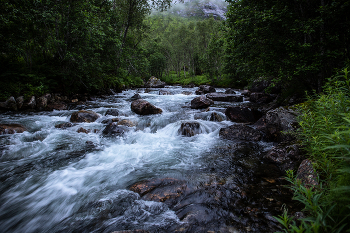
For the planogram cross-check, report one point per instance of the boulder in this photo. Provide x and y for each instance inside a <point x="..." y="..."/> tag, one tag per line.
<point x="245" y="93"/>
<point x="82" y="130"/>
<point x="189" y="129"/>
<point x="286" y="156"/>
<point x="164" y="92"/>
<point x="10" y="104"/>
<point x="108" y="121"/>
<point x="31" y="104"/>
<point x="191" y="85"/>
<point x="126" y="122"/>
<point x="143" y="107"/>
<point x="136" y="97"/>
<point x="64" y="125"/>
<point x="41" y="102"/>
<point x="225" y="97"/>
<point x="278" y="124"/>
<point x="204" y="89"/>
<point x="216" y="117"/>
<point x="201" y="102"/>
<point x="112" y="112"/>
<point x="242" y="114"/>
<point x="84" y="116"/>
<point x="56" y="106"/>
<point x="306" y="174"/>
<point x="12" y="128"/>
<point x="155" y="83"/>
<point x="19" y="101"/>
<point x="114" y="129"/>
<point x="240" y="132"/>
<point x="230" y="91"/>
<point x="260" y="98"/>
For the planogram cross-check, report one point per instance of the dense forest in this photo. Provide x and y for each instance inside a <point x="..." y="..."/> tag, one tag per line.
<point x="300" y="46"/>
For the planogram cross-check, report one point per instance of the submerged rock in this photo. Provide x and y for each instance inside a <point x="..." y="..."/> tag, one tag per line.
<point x="136" y="97"/>
<point x="204" y="89"/>
<point x="112" y="112"/>
<point x="82" y="130"/>
<point x="108" y="121"/>
<point x="190" y="129"/>
<point x="126" y="122"/>
<point x="164" y="92"/>
<point x="201" y="102"/>
<point x="186" y="93"/>
<point x="240" y="132"/>
<point x="143" y="107"/>
<point x="84" y="116"/>
<point x="114" y="129"/>
<point x="242" y="114"/>
<point x="64" y="125"/>
<point x="12" y="128"/>
<point x="216" y="117"/>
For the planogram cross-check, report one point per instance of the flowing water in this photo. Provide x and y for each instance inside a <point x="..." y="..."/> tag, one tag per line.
<point x="59" y="180"/>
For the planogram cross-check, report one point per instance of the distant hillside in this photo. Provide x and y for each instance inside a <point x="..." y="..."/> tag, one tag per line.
<point x="199" y="9"/>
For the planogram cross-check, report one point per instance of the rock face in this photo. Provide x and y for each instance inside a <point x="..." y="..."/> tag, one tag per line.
<point x="190" y="129"/>
<point x="204" y="89"/>
<point x="275" y="121"/>
<point x="155" y="83"/>
<point x="201" y="102"/>
<point x="285" y="156"/>
<point x="112" y="112"/>
<point x="225" y="97"/>
<point x="164" y="92"/>
<point x="240" y="132"/>
<point x="143" y="107"/>
<point x="84" y="116"/>
<point x="307" y="174"/>
<point x="114" y="129"/>
<point x="11" y="128"/>
<point x="242" y="114"/>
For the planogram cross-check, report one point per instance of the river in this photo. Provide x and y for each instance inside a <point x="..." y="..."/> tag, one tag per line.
<point x="59" y="180"/>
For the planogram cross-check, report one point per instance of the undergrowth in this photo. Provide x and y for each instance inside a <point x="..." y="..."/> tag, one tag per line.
<point x="325" y="133"/>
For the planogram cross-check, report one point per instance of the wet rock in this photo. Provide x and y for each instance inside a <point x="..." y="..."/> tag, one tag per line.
<point x="112" y="112"/>
<point x="143" y="107"/>
<point x="155" y="83"/>
<point x="245" y="93"/>
<point x="131" y="231"/>
<point x="136" y="97"/>
<point x="216" y="96"/>
<point x="186" y="93"/>
<point x="164" y="92"/>
<point x="230" y="91"/>
<point x="242" y="114"/>
<point x="56" y="106"/>
<point x="114" y="129"/>
<point x="160" y="189"/>
<point x="12" y="128"/>
<point x="307" y="174"/>
<point x="9" y="104"/>
<point x="19" y="101"/>
<point x="240" y="132"/>
<point x="126" y="122"/>
<point x="204" y="89"/>
<point x="261" y="98"/>
<point x="190" y="129"/>
<point x="82" y="130"/>
<point x="41" y="103"/>
<point x="201" y="102"/>
<point x="216" y="117"/>
<point x="147" y="90"/>
<point x="108" y="121"/>
<point x="64" y="125"/>
<point x="278" y="124"/>
<point x="31" y="104"/>
<point x="84" y="116"/>
<point x="285" y="156"/>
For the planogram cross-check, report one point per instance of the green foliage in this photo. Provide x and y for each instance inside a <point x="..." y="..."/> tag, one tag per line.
<point x="325" y="123"/>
